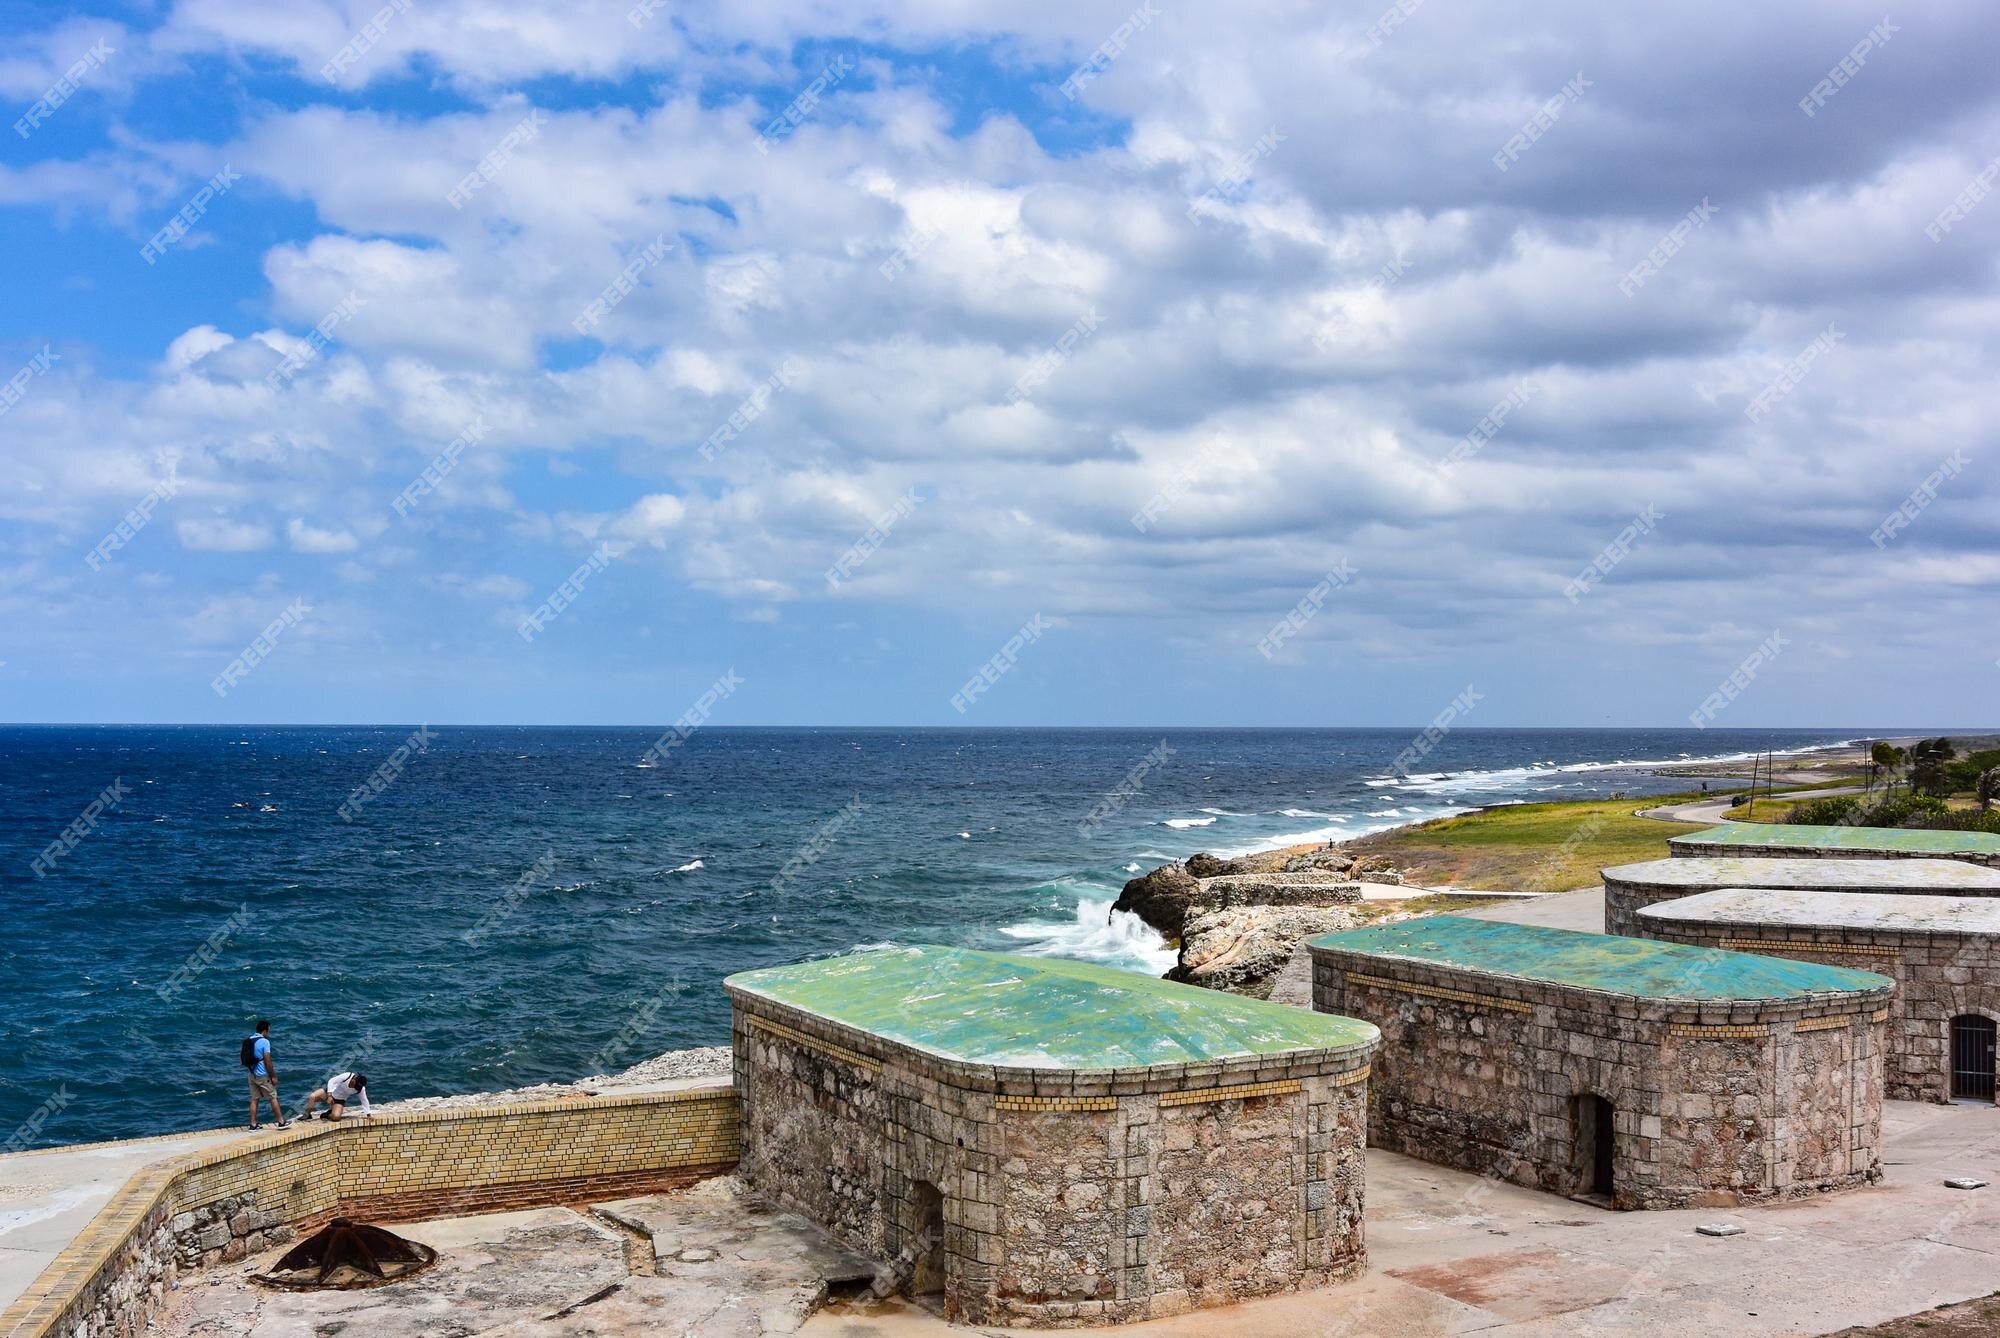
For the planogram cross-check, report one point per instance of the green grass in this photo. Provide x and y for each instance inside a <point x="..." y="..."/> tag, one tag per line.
<point x="1529" y="847"/>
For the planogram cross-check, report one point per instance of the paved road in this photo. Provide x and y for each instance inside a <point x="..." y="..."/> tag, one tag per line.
<point x="1717" y="809"/>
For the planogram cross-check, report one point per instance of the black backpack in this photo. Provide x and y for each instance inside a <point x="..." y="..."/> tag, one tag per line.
<point x="249" y="1053"/>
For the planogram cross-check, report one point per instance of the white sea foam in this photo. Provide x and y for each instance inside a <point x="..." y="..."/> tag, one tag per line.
<point x="689" y="867"/>
<point x="1308" y="813"/>
<point x="1337" y="832"/>
<point x="1096" y="934"/>
<point x="1189" y="822"/>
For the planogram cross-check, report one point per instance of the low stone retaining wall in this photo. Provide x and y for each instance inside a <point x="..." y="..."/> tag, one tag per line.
<point x="1273" y="889"/>
<point x="230" y="1202"/>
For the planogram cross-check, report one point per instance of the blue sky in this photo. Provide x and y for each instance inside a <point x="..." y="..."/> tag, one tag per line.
<point x="836" y="343"/>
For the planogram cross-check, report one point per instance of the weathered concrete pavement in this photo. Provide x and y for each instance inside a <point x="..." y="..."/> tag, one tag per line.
<point x="46" y="1198"/>
<point x="714" y="1261"/>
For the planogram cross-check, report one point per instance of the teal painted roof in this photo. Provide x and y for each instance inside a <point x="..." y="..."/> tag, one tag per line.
<point x="1609" y="962"/>
<point x="1843" y="838"/>
<point x="1041" y="1012"/>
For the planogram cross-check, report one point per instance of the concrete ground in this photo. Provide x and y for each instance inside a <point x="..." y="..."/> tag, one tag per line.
<point x="1449" y="1253"/>
<point x="46" y="1198"/>
<point x="713" y="1261"/>
<point x="1582" y="910"/>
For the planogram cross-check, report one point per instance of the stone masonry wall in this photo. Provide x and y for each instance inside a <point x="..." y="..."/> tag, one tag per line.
<point x="1704" y="1113"/>
<point x="1679" y="847"/>
<point x="1066" y="1201"/>
<point x="1938" y="977"/>
<point x="1625" y="898"/>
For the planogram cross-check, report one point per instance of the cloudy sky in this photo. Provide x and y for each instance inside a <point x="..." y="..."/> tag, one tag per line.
<point x="497" y="361"/>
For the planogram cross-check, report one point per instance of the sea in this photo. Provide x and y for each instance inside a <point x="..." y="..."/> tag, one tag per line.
<point x="456" y="909"/>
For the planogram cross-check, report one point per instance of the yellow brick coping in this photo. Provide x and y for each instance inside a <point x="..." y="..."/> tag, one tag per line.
<point x="1788" y="945"/>
<point x="839" y="1052"/>
<point x="1056" y="1102"/>
<point x="1238" y="1092"/>
<point x="1720" y="1031"/>
<point x="1827" y="1023"/>
<point x="34" y="1312"/>
<point x="1439" y="992"/>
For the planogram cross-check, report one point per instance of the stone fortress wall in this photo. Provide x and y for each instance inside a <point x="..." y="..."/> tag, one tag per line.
<point x="1063" y="1197"/>
<point x="1942" y="952"/>
<point x="1630" y="888"/>
<point x="1712" y="1105"/>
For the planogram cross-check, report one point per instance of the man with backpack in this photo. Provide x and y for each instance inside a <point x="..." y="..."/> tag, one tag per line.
<point x="256" y="1057"/>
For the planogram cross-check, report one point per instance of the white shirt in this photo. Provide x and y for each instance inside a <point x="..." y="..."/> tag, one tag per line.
<point x="342" y="1089"/>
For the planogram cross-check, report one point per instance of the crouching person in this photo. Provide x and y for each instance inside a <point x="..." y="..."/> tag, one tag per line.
<point x="340" y="1089"/>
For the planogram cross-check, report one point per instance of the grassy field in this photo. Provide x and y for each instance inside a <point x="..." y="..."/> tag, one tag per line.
<point x="1529" y="847"/>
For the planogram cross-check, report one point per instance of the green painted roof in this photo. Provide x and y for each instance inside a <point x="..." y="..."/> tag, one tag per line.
<point x="1609" y="962"/>
<point x="1843" y="838"/>
<point x="1042" y="1012"/>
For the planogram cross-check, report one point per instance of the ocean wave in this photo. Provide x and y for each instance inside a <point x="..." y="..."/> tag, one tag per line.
<point x="1096" y="933"/>
<point x="1178" y="823"/>
<point x="1225" y="813"/>
<point x="1337" y="833"/>
<point x="1308" y="813"/>
<point x="689" y="867"/>
<point x="1500" y="778"/>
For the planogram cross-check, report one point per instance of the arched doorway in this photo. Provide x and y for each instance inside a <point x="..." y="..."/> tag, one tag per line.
<point x="1590" y="1117"/>
<point x="1972" y="1039"/>
<point x="927" y="1225"/>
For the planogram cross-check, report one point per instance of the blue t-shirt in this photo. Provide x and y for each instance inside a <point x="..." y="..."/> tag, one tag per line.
<point x="258" y="1051"/>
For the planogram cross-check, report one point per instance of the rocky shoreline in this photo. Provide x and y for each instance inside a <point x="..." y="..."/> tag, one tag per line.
<point x="707" y="1061"/>
<point x="1238" y="923"/>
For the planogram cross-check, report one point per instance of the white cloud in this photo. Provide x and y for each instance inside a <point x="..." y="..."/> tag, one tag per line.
<point x="220" y="534"/>
<point x="305" y="538"/>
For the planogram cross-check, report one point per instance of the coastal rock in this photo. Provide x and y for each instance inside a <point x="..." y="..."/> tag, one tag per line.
<point x="1201" y="864"/>
<point x="1242" y="950"/>
<point x="1390" y="877"/>
<point x="1160" y="898"/>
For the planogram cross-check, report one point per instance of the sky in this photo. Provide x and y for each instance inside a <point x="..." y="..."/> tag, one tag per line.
<point x="487" y="361"/>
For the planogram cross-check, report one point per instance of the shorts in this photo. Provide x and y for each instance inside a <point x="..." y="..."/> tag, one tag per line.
<point x="264" y="1087"/>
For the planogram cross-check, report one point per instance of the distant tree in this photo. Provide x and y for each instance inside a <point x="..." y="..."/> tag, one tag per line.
<point x="1927" y="766"/>
<point x="1989" y="788"/>
<point x="1887" y="756"/>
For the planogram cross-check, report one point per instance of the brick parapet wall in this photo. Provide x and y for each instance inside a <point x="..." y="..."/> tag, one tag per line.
<point x="1938" y="976"/>
<point x="1712" y="1104"/>
<point x="231" y="1201"/>
<point x="1068" y="1198"/>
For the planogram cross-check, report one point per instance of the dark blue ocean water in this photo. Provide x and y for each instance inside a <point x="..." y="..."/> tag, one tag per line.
<point x="604" y="899"/>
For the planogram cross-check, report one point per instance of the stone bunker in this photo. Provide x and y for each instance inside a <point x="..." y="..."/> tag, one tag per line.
<point x="1649" y="1075"/>
<point x="1943" y="953"/>
<point x="1043" y="1142"/>
<point x="1782" y="839"/>
<point x="1629" y="888"/>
